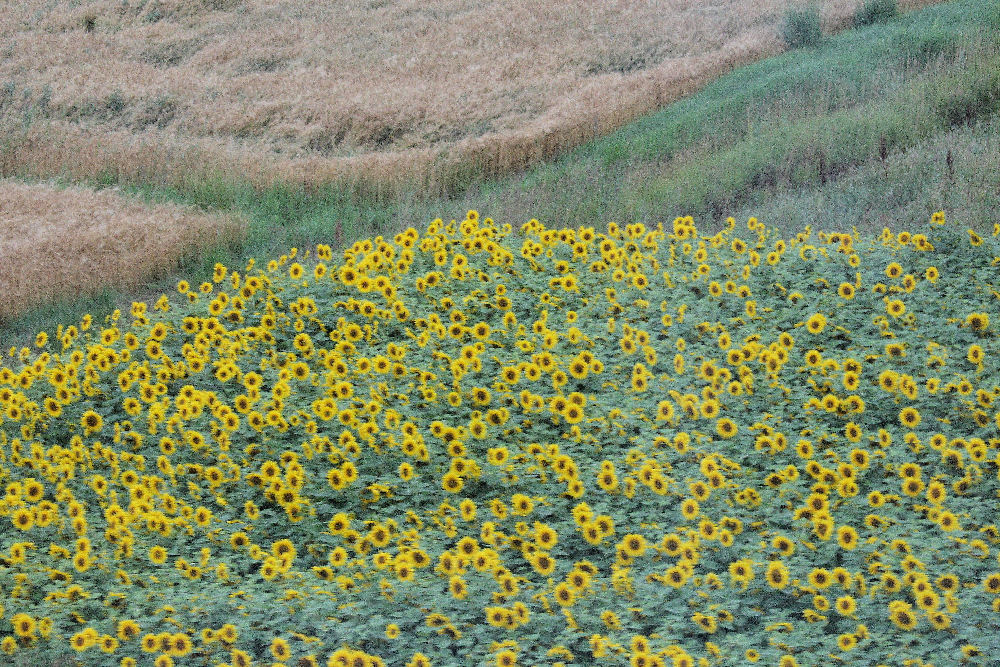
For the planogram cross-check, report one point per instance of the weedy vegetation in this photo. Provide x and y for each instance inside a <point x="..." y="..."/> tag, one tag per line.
<point x="876" y="11"/>
<point x="802" y="27"/>
<point x="217" y="87"/>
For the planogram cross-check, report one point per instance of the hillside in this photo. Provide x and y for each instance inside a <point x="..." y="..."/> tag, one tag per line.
<point x="488" y="445"/>
<point x="884" y="106"/>
<point x="382" y="95"/>
<point x="716" y="389"/>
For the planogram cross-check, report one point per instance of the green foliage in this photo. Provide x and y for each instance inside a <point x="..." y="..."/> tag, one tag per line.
<point x="802" y="27"/>
<point x="551" y="441"/>
<point x="876" y="11"/>
<point x="968" y="97"/>
<point x="921" y="48"/>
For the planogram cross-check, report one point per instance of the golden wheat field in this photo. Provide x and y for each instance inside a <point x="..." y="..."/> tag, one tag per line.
<point x="373" y="91"/>
<point x="56" y="242"/>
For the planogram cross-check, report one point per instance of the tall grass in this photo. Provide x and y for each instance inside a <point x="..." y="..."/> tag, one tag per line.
<point x="802" y="27"/>
<point x="876" y="11"/>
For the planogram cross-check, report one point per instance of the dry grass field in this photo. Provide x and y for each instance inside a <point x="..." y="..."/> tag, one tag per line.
<point x="56" y="242"/>
<point x="382" y="93"/>
<point x="391" y="97"/>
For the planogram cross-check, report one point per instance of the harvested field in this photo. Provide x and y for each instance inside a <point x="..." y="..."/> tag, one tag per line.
<point x="383" y="94"/>
<point x="56" y="242"/>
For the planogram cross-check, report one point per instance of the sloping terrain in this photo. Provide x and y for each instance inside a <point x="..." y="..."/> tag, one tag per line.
<point x="374" y="92"/>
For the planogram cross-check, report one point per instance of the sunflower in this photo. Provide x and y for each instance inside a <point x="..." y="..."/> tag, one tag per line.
<point x="180" y="644"/>
<point x="23" y="519"/>
<point x="633" y="545"/>
<point x="726" y="428"/>
<point x="846" y="605"/>
<point x="888" y="380"/>
<point x="816" y="323"/>
<point x="579" y="369"/>
<point x="23" y="624"/>
<point x="939" y="620"/>
<point x="592" y="533"/>
<point x="689" y="508"/>
<point x="579" y="580"/>
<point x="151" y="643"/>
<point x="157" y="555"/>
<point x="783" y="545"/>
<point x="853" y="432"/>
<point x="564" y="594"/>
<point x="543" y="563"/>
<point x="707" y="623"/>
<point x="82" y="562"/>
<point x="82" y="641"/>
<point x="573" y="414"/>
<point x="777" y="574"/>
<point x="820" y="578"/>
<point x="903" y="618"/>
<point x="928" y="600"/>
<point x="975" y="354"/>
<point x="498" y="617"/>
<point x="895" y="307"/>
<point x="52" y="407"/>
<point x="665" y="411"/>
<point x="506" y="658"/>
<point x="846" y="642"/>
<point x="108" y="644"/>
<point x="91" y="422"/>
<point x="890" y="582"/>
<point x="452" y="482"/>
<point x="203" y="516"/>
<point x="912" y="486"/>
<point x="741" y="571"/>
<point x="847" y="538"/>
<point x="607" y="480"/>
<point x="127" y="630"/>
<point x="977" y="321"/>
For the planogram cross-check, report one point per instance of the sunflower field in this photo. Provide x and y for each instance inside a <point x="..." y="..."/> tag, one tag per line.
<point x="487" y="445"/>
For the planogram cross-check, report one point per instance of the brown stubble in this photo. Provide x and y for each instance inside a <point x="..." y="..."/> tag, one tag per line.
<point x="57" y="242"/>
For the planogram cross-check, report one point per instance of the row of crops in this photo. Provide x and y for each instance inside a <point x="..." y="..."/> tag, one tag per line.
<point x="480" y="444"/>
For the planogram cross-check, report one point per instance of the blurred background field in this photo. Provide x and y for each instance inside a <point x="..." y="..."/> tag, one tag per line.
<point x="53" y="238"/>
